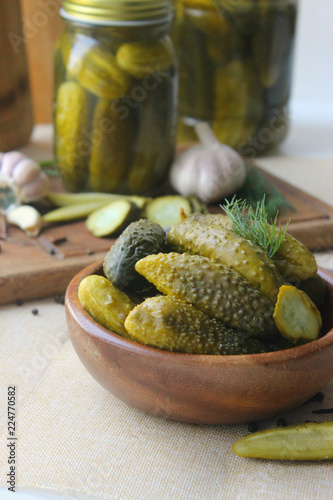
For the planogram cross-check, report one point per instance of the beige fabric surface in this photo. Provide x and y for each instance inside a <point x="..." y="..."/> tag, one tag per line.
<point x="76" y="439"/>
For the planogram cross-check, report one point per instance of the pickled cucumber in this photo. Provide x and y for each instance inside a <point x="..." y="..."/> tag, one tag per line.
<point x="71" y="121"/>
<point x="139" y="239"/>
<point x="293" y="260"/>
<point x="101" y="75"/>
<point x="212" y="288"/>
<point x="154" y="145"/>
<point x="196" y="72"/>
<point x="111" y="218"/>
<point x="273" y="42"/>
<point x="145" y="57"/>
<point x="310" y="441"/>
<point x="296" y="316"/>
<point x="225" y="247"/>
<point x="107" y="305"/>
<point x="111" y="153"/>
<point x="167" y="210"/>
<point x="173" y="325"/>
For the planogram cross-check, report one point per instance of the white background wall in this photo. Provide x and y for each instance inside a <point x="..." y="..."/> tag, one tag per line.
<point x="311" y="109"/>
<point x="313" y="71"/>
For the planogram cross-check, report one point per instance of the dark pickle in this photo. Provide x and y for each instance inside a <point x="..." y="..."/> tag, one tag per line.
<point x="235" y="65"/>
<point x="115" y="105"/>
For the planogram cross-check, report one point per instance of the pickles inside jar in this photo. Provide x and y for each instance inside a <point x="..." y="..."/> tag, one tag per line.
<point x="72" y="117"/>
<point x="123" y="109"/>
<point x="252" y="34"/>
<point x="111" y="151"/>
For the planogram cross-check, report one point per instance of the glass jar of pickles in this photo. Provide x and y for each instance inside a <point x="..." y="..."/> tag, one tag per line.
<point x="115" y="95"/>
<point x="235" y="63"/>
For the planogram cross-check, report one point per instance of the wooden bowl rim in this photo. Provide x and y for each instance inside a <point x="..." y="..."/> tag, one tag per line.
<point x="97" y="331"/>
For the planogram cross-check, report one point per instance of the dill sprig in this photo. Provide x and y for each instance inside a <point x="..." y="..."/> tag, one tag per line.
<point x="252" y="224"/>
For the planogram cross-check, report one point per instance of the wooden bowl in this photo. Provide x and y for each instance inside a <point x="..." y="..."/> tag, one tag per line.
<point x="200" y="389"/>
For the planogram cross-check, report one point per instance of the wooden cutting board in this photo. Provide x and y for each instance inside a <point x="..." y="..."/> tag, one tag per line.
<point x="43" y="267"/>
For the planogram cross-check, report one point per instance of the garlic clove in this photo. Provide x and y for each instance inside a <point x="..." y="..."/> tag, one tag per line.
<point x="36" y="189"/>
<point x="9" y="162"/>
<point x="26" y="218"/>
<point x="25" y="171"/>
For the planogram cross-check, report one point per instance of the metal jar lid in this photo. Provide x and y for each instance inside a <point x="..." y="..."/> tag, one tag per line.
<point x="111" y="12"/>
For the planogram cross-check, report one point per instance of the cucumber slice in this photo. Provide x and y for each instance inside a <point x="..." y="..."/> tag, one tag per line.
<point x="296" y="316"/>
<point x="111" y="218"/>
<point x="296" y="442"/>
<point x="73" y="212"/>
<point x="166" y="210"/>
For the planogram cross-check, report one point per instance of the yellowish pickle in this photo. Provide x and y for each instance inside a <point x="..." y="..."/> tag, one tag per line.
<point x="293" y="260"/>
<point x="142" y="58"/>
<point x="212" y="288"/>
<point x="111" y="151"/>
<point x="296" y="316"/>
<point x="310" y="441"/>
<point x="105" y="303"/>
<point x="71" y="121"/>
<point x="225" y="247"/>
<point x="101" y="75"/>
<point x="173" y="325"/>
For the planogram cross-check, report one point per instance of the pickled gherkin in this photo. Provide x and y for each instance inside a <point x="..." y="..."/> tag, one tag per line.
<point x="154" y="144"/>
<point x="309" y="441"/>
<point x="225" y="247"/>
<point x="173" y="325"/>
<point x="142" y="58"/>
<point x="71" y="121"/>
<point x="105" y="303"/>
<point x="139" y="239"/>
<point x="212" y="288"/>
<point x="296" y="316"/>
<point x="271" y="43"/>
<point x="110" y="153"/>
<point x="293" y="260"/>
<point x="196" y="72"/>
<point x="101" y="75"/>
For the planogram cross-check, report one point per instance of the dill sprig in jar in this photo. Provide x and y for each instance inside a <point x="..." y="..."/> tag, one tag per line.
<point x="115" y="95"/>
<point x="235" y="66"/>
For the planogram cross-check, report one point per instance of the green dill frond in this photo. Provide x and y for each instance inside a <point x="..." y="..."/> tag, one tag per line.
<point x="252" y="224"/>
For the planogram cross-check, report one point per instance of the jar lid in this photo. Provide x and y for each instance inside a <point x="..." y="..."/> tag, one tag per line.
<point x="126" y="12"/>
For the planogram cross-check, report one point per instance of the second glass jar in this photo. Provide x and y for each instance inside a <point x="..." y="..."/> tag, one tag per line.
<point x="235" y="64"/>
<point x="115" y="106"/>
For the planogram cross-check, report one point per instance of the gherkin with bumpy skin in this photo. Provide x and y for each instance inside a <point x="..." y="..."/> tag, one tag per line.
<point x="101" y="75"/>
<point x="154" y="145"/>
<point x="145" y="57"/>
<point x="225" y="247"/>
<point x="212" y="288"/>
<point x="173" y="325"/>
<point x="111" y="152"/>
<point x="141" y="238"/>
<point x="71" y="121"/>
<point x="107" y="305"/>
<point x="293" y="260"/>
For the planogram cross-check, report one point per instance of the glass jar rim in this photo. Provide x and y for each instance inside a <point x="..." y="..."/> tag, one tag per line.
<point x="104" y="22"/>
<point x="118" y="12"/>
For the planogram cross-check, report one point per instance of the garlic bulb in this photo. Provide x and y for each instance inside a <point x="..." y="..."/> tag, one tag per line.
<point x="23" y="176"/>
<point x="211" y="171"/>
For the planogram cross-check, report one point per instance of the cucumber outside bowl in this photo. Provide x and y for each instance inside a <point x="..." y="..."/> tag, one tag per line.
<point x="201" y="389"/>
